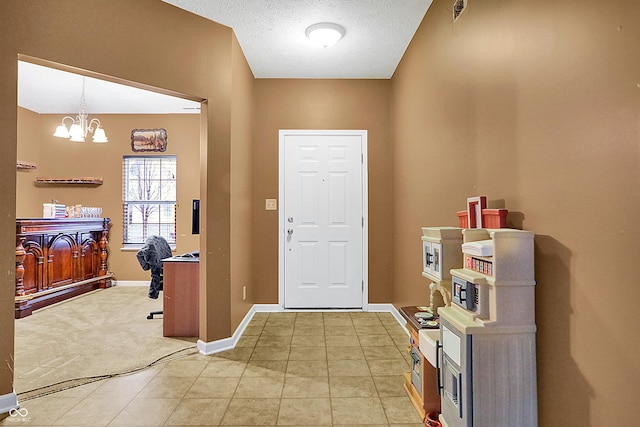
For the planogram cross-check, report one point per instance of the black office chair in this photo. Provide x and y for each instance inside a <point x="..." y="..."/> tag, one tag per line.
<point x="150" y="257"/>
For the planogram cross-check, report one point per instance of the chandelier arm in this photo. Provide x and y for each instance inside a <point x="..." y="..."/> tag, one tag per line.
<point x="90" y="128"/>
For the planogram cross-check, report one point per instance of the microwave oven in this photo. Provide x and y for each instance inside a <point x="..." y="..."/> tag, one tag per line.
<point x="470" y="296"/>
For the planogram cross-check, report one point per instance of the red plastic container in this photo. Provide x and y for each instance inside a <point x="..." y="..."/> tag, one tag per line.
<point x="431" y="420"/>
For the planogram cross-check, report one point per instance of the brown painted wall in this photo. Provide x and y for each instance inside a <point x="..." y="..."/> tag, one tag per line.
<point x="322" y="104"/>
<point x="148" y="42"/>
<point x="535" y="104"/>
<point x="59" y="158"/>
<point x="241" y="181"/>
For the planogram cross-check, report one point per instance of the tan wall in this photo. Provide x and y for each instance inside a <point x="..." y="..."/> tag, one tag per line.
<point x="28" y="130"/>
<point x="241" y="182"/>
<point x="61" y="158"/>
<point x="322" y="104"/>
<point x="149" y="42"/>
<point x="535" y="104"/>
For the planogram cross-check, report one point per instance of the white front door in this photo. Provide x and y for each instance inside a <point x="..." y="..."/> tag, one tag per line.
<point x="322" y="219"/>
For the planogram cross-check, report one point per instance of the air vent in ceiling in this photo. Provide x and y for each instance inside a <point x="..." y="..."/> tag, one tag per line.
<point x="458" y="8"/>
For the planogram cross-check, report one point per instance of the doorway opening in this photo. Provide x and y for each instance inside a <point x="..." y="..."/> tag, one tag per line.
<point x="48" y="91"/>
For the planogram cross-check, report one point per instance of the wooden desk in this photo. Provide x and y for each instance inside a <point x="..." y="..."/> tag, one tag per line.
<point x="180" y="304"/>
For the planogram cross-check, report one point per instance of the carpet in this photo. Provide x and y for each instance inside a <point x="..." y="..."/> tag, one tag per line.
<point x="100" y="333"/>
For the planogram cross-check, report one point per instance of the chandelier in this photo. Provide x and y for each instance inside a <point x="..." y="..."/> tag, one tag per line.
<point x="81" y="126"/>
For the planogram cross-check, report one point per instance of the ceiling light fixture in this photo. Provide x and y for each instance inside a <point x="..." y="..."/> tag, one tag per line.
<point x="81" y="125"/>
<point x="325" y="34"/>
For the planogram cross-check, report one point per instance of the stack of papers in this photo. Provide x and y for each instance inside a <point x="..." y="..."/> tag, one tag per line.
<point x="478" y="248"/>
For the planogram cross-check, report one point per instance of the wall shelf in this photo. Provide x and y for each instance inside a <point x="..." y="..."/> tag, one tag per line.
<point x="23" y="165"/>
<point x="91" y="180"/>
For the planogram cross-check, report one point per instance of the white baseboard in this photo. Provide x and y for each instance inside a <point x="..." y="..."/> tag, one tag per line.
<point x="209" y="348"/>
<point x="8" y="402"/>
<point x="144" y="283"/>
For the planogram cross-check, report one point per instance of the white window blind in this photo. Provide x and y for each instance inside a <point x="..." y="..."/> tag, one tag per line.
<point x="148" y="198"/>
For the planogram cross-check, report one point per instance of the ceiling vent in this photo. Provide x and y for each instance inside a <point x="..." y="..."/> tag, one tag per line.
<point x="458" y="7"/>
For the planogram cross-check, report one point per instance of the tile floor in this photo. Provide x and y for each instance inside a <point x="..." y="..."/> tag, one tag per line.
<point x="294" y="369"/>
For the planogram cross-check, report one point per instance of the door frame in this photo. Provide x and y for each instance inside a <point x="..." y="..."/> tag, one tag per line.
<point x="365" y="211"/>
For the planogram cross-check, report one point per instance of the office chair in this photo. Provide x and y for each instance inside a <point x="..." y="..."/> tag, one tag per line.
<point x="150" y="257"/>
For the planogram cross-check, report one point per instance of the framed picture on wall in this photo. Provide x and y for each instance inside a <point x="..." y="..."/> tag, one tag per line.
<point x="148" y="140"/>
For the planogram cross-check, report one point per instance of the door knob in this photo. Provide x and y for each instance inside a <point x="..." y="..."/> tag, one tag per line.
<point x="290" y="231"/>
<point x="290" y="219"/>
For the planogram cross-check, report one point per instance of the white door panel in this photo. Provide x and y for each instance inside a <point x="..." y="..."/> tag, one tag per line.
<point x="322" y="217"/>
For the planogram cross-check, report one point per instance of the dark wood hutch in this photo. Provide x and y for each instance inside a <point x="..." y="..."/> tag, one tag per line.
<point x="59" y="258"/>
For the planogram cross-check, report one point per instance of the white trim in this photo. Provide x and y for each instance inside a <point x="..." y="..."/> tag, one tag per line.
<point x="217" y="346"/>
<point x="8" y="402"/>
<point x="365" y="203"/>
<point x="391" y="309"/>
<point x="124" y="283"/>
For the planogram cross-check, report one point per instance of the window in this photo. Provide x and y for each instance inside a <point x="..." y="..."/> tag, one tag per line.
<point x="148" y="198"/>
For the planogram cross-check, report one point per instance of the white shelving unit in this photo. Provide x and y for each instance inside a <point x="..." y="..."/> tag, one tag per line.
<point x="488" y="358"/>
<point x="441" y="252"/>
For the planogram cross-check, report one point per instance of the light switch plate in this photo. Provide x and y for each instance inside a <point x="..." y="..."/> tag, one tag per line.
<point x="271" y="204"/>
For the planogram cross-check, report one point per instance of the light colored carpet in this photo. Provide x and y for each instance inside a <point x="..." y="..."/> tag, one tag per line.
<point x="99" y="333"/>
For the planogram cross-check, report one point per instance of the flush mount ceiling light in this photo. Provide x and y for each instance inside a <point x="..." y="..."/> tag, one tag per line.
<point x="325" y="34"/>
<point x="81" y="126"/>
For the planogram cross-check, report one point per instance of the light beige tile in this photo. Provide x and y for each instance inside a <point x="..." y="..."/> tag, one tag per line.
<point x="270" y="353"/>
<point x="352" y="387"/>
<point x="309" y="330"/>
<point x="307" y="368"/>
<point x="218" y="367"/>
<point x="201" y="412"/>
<point x="252" y="329"/>
<point x="183" y="368"/>
<point x="124" y="386"/>
<point x="274" y="340"/>
<point x="341" y="340"/>
<point x="299" y="387"/>
<point x="212" y="387"/>
<point x="340" y="330"/>
<point x="308" y="341"/>
<point x="238" y="353"/>
<point x="375" y="340"/>
<point x="355" y="410"/>
<point x="387" y="367"/>
<point x="345" y="353"/>
<point x="308" y="353"/>
<point x="277" y="330"/>
<point x="167" y="387"/>
<point x="382" y="352"/>
<point x="248" y="341"/>
<point x="387" y="318"/>
<point x="146" y="412"/>
<point x="348" y="368"/>
<point x="337" y="321"/>
<point x="265" y="368"/>
<point x="364" y="316"/>
<point x="259" y="387"/>
<point x="399" y="410"/>
<point x="251" y="412"/>
<point x="42" y="411"/>
<point x="304" y="412"/>
<point x="309" y="319"/>
<point x="390" y="386"/>
<point x="366" y="329"/>
<point x="92" y="412"/>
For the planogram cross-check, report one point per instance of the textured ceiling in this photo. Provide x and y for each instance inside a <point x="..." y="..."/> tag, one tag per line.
<point x="272" y="34"/>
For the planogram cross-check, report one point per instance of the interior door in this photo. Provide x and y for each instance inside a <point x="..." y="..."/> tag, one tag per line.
<point x="322" y="220"/>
